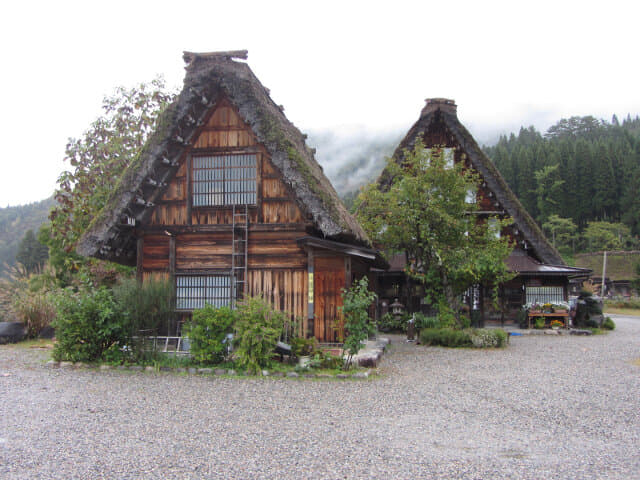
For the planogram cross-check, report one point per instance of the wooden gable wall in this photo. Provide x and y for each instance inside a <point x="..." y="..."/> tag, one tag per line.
<point x="225" y="131"/>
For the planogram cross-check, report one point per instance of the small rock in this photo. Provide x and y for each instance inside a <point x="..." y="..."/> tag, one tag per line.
<point x="220" y="371"/>
<point x="292" y="374"/>
<point x="265" y="373"/>
<point x="324" y="375"/>
<point x="551" y="332"/>
<point x="121" y="367"/>
<point x="231" y="371"/>
<point x="149" y="368"/>
<point x="80" y="365"/>
<point x="166" y="369"/>
<point x="309" y="375"/>
<point x="136" y="368"/>
<point x="205" y="371"/>
<point x="277" y="374"/>
<point x="181" y="370"/>
<point x="105" y="367"/>
<point x="192" y="370"/>
<point x="66" y="364"/>
<point x="361" y="374"/>
<point x="342" y="375"/>
<point x="52" y="364"/>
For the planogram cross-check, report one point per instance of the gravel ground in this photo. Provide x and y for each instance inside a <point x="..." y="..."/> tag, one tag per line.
<point x="546" y="407"/>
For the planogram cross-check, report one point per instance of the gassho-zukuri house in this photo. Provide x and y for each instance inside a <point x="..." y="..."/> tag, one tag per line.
<point x="542" y="276"/>
<point x="227" y="200"/>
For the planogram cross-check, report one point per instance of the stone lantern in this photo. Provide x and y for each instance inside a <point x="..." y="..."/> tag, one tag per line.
<point x="397" y="309"/>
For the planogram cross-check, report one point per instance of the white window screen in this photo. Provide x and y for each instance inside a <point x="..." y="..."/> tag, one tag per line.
<point x="193" y="291"/>
<point x="545" y="294"/>
<point x="224" y="180"/>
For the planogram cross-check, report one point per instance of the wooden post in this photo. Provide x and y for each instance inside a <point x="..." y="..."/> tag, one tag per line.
<point x="172" y="257"/>
<point x="139" y="258"/>
<point x="189" y="188"/>
<point x="310" y="294"/>
<point x="347" y="272"/>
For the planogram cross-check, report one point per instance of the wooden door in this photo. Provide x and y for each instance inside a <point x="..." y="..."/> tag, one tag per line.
<point x="329" y="280"/>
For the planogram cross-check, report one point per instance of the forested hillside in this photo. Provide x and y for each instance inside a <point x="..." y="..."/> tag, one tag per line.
<point x="583" y="169"/>
<point x="14" y="223"/>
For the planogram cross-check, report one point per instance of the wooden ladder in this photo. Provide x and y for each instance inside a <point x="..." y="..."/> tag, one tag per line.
<point x="239" y="253"/>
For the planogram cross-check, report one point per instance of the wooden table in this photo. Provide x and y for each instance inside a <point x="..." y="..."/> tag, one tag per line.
<point x="564" y="316"/>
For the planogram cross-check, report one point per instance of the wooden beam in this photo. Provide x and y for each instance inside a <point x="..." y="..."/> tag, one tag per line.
<point x="310" y="294"/>
<point x="189" y="187"/>
<point x="172" y="256"/>
<point x="139" y="258"/>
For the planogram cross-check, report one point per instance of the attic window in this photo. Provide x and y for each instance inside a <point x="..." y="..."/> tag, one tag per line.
<point x="224" y="180"/>
<point x="445" y="153"/>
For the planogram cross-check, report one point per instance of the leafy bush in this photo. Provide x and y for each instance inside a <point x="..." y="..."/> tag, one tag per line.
<point x="389" y="323"/>
<point x="539" y="322"/>
<point x="489" y="338"/>
<point x="88" y="324"/>
<point x="36" y="310"/>
<point x="258" y="327"/>
<point x="608" y="324"/>
<point x="303" y="347"/>
<point x="446" y="337"/>
<point x="150" y="305"/>
<point x="207" y="331"/>
<point x="422" y="321"/>
<point x="355" y="307"/>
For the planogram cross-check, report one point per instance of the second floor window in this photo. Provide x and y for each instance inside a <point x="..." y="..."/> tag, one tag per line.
<point x="225" y="180"/>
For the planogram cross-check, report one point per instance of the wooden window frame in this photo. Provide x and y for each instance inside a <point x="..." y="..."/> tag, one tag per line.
<point x="201" y="281"/>
<point x="192" y="181"/>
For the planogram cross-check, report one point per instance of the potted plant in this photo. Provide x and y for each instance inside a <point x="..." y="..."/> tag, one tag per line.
<point x="556" y="324"/>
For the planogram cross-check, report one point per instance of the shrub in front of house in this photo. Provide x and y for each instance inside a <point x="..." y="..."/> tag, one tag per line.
<point x="258" y="327"/>
<point x="207" y="332"/>
<point x="445" y="337"/>
<point x="36" y="310"/>
<point x="608" y="324"/>
<point x="449" y="337"/>
<point x="90" y="326"/>
<point x="489" y="338"/>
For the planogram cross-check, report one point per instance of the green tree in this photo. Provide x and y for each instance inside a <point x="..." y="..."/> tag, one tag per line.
<point x="423" y="212"/>
<point x="31" y="253"/>
<point x="355" y="306"/>
<point x="561" y="230"/>
<point x="606" y="236"/>
<point x="98" y="159"/>
<point x="548" y="190"/>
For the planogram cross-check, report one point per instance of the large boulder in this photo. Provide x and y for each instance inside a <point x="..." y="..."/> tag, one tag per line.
<point x="12" y="332"/>
<point x="47" y="332"/>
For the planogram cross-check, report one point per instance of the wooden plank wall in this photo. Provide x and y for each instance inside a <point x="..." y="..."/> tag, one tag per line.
<point x="329" y="279"/>
<point x="285" y="289"/>
<point x="225" y="130"/>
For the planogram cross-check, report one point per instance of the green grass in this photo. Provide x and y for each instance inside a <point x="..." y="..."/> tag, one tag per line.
<point x="633" y="312"/>
<point x="43" y="343"/>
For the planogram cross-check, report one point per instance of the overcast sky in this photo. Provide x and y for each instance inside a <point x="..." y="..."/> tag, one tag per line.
<point x="331" y="64"/>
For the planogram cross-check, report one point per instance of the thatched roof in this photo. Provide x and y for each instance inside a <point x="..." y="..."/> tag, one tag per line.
<point x="209" y="77"/>
<point x="443" y="110"/>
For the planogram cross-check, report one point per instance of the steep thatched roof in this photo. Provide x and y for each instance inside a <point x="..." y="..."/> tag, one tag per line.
<point x="209" y="77"/>
<point x="443" y="110"/>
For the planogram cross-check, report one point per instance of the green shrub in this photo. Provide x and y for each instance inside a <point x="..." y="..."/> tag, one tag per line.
<point x="539" y="323"/>
<point x="258" y="327"/>
<point x="207" y="331"/>
<point x="36" y="310"/>
<point x="355" y="307"/>
<point x="489" y="338"/>
<point x="389" y="323"/>
<point x="522" y="318"/>
<point x="303" y="347"/>
<point x="422" y="321"/>
<point x="88" y="324"/>
<point x="446" y="337"/>
<point x="608" y="324"/>
<point x="150" y="305"/>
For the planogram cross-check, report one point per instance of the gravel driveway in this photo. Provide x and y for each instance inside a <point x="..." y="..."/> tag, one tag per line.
<point x="546" y="407"/>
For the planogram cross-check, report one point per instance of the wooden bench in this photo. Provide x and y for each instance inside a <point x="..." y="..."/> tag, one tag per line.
<point x="564" y="316"/>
